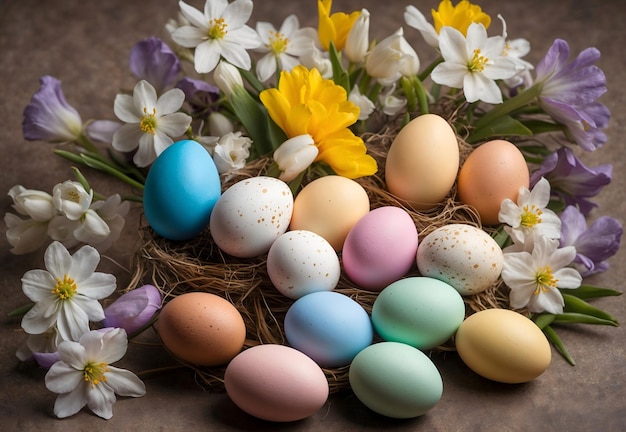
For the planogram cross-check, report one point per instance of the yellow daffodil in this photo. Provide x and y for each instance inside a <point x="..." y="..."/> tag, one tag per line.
<point x="459" y="16"/>
<point x="335" y="27"/>
<point x="307" y="104"/>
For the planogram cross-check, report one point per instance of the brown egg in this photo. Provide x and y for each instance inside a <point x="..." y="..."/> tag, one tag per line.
<point x="492" y="172"/>
<point x="202" y="328"/>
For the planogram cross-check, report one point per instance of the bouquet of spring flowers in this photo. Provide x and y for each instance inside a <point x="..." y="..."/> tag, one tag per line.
<point x="298" y="104"/>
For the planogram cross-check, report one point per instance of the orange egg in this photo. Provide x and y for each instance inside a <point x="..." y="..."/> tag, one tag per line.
<point x="492" y="172"/>
<point x="202" y="328"/>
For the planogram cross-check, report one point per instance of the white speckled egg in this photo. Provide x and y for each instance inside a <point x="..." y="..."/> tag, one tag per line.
<point x="461" y="255"/>
<point x="301" y="262"/>
<point x="250" y="215"/>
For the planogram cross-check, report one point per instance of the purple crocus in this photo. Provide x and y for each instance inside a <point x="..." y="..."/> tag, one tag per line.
<point x="134" y="309"/>
<point x="48" y="116"/>
<point x="571" y="180"/>
<point x="569" y="92"/>
<point x="199" y="94"/>
<point x="152" y="60"/>
<point x="595" y="244"/>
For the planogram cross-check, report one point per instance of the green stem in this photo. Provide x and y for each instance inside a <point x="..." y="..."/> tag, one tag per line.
<point x="422" y="97"/>
<point x="558" y="344"/>
<point x="20" y="310"/>
<point x="516" y="102"/>
<point x="85" y="143"/>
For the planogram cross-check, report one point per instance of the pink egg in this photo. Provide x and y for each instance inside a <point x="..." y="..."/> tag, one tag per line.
<point x="276" y="383"/>
<point x="380" y="248"/>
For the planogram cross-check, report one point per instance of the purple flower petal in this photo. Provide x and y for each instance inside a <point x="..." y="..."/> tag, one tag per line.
<point x="133" y="309"/>
<point x="199" y="94"/>
<point x="152" y="60"/>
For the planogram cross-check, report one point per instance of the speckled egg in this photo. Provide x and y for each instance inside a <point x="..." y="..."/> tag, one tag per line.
<point x="250" y="215"/>
<point x="276" y="383"/>
<point x="301" y="262"/>
<point x="461" y="255"/>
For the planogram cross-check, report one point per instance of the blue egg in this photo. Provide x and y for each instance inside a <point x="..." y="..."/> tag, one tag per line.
<point x="181" y="190"/>
<point x="329" y="327"/>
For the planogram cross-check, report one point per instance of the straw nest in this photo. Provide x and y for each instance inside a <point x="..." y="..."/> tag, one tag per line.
<point x="198" y="265"/>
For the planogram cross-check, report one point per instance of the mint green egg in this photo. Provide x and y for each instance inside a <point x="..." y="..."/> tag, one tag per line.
<point x="395" y="380"/>
<point x="419" y="311"/>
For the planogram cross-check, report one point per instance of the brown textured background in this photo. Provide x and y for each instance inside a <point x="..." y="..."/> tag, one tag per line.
<point x="85" y="43"/>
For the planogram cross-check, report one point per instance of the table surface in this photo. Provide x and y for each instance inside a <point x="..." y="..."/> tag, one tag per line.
<point x="85" y="43"/>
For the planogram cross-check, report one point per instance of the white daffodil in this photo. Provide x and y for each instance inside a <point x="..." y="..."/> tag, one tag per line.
<point x="84" y="375"/>
<point x="67" y="294"/>
<point x="282" y="47"/>
<point x="357" y="42"/>
<point x="295" y="155"/>
<point x="151" y="122"/>
<point x="230" y="152"/>
<point x="392" y="59"/>
<point x="473" y="63"/>
<point x="535" y="278"/>
<point x="366" y="106"/>
<point x="529" y="217"/>
<point x="33" y="203"/>
<point x="218" y="32"/>
<point x="71" y="199"/>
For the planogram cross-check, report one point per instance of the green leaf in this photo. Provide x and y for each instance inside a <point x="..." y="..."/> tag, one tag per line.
<point x="541" y="126"/>
<point x="20" y="310"/>
<point x="586" y="292"/>
<point x="538" y="150"/>
<point x="501" y="237"/>
<point x="255" y="119"/>
<point x="543" y="320"/>
<point x="558" y="344"/>
<point x="340" y="75"/>
<point x="252" y="80"/>
<point x="81" y="179"/>
<point x="580" y="318"/>
<point x="502" y="126"/>
<point x="577" y="305"/>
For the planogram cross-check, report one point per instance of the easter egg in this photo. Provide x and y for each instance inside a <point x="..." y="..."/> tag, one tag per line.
<point x="423" y="161"/>
<point x="181" y="190"/>
<point x="395" y="380"/>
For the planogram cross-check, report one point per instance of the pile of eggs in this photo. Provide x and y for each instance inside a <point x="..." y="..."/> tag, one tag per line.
<point x="327" y="229"/>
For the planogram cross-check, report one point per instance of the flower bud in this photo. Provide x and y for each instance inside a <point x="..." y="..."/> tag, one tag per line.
<point x="295" y="155"/>
<point x="134" y="309"/>
<point x="366" y="106"/>
<point x="219" y="124"/>
<point x="357" y="42"/>
<point x="34" y="203"/>
<point x="227" y="78"/>
<point x="72" y="199"/>
<point x="391" y="59"/>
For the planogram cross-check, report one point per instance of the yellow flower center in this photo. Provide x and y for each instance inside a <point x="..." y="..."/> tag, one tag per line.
<point x="531" y="216"/>
<point x="94" y="373"/>
<point x="148" y="122"/>
<point x="460" y="16"/>
<point x="544" y="280"/>
<point x="73" y="196"/>
<point x="66" y="288"/>
<point x="278" y="42"/>
<point x="217" y="28"/>
<point x="478" y="61"/>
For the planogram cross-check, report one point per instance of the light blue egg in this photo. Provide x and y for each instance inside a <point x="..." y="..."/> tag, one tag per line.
<point x="395" y="380"/>
<point x="329" y="327"/>
<point x="181" y="190"/>
<point x="419" y="311"/>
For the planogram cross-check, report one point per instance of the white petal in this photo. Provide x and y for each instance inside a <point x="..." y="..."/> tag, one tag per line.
<point x="161" y="142"/>
<point x="73" y="354"/>
<point x="72" y="321"/>
<point x="502" y="68"/>
<point x="519" y="298"/>
<point x="91" y="308"/>
<point x="266" y="67"/>
<point x="62" y="378"/>
<point x="100" y="400"/>
<point x="114" y="346"/>
<point x="449" y="74"/>
<point x="170" y="102"/>
<point x="145" y="154"/>
<point x="188" y="37"/>
<point x="290" y="25"/>
<point x="215" y="9"/>
<point x="40" y="317"/>
<point x="84" y="263"/>
<point x="126" y="138"/>
<point x="98" y="286"/>
<point x="264" y="30"/>
<point x="68" y="404"/>
<point x="206" y="56"/>
<point x="550" y="301"/>
<point x="234" y="53"/>
<point x="193" y="15"/>
<point x="237" y="13"/>
<point x="245" y="37"/>
<point x="414" y="18"/>
<point x="37" y="284"/>
<point x="124" y="109"/>
<point x="478" y="87"/>
<point x="174" y="125"/>
<point x="58" y="260"/>
<point x="144" y="97"/>
<point x="125" y="383"/>
<point x="568" y="278"/>
<point x="453" y="46"/>
<point x="93" y="229"/>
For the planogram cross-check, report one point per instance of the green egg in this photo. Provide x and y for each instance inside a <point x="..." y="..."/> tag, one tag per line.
<point x="395" y="380"/>
<point x="419" y="311"/>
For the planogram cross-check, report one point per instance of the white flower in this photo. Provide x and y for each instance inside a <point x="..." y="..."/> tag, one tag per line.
<point x="516" y="49"/>
<point x="219" y="124"/>
<point x="391" y="104"/>
<point x="357" y="42"/>
<point x="295" y="155"/>
<point x="33" y="203"/>
<point x="151" y="122"/>
<point x="315" y="58"/>
<point x="71" y="199"/>
<point x="67" y="294"/>
<point x="414" y="18"/>
<point x="473" y="63"/>
<point x="218" y="32"/>
<point x="227" y="78"/>
<point x="92" y="229"/>
<point x="530" y="216"/>
<point x="392" y="59"/>
<point x="282" y="46"/>
<point x="534" y="278"/>
<point x="112" y="211"/>
<point x="42" y="347"/>
<point x="24" y="235"/>
<point x="366" y="106"/>
<point x="231" y="151"/>
<point x="84" y="375"/>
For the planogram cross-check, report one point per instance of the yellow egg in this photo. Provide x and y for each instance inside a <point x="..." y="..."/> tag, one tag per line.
<point x="423" y="162"/>
<point x="330" y="206"/>
<point x="503" y="345"/>
<point x="494" y="171"/>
